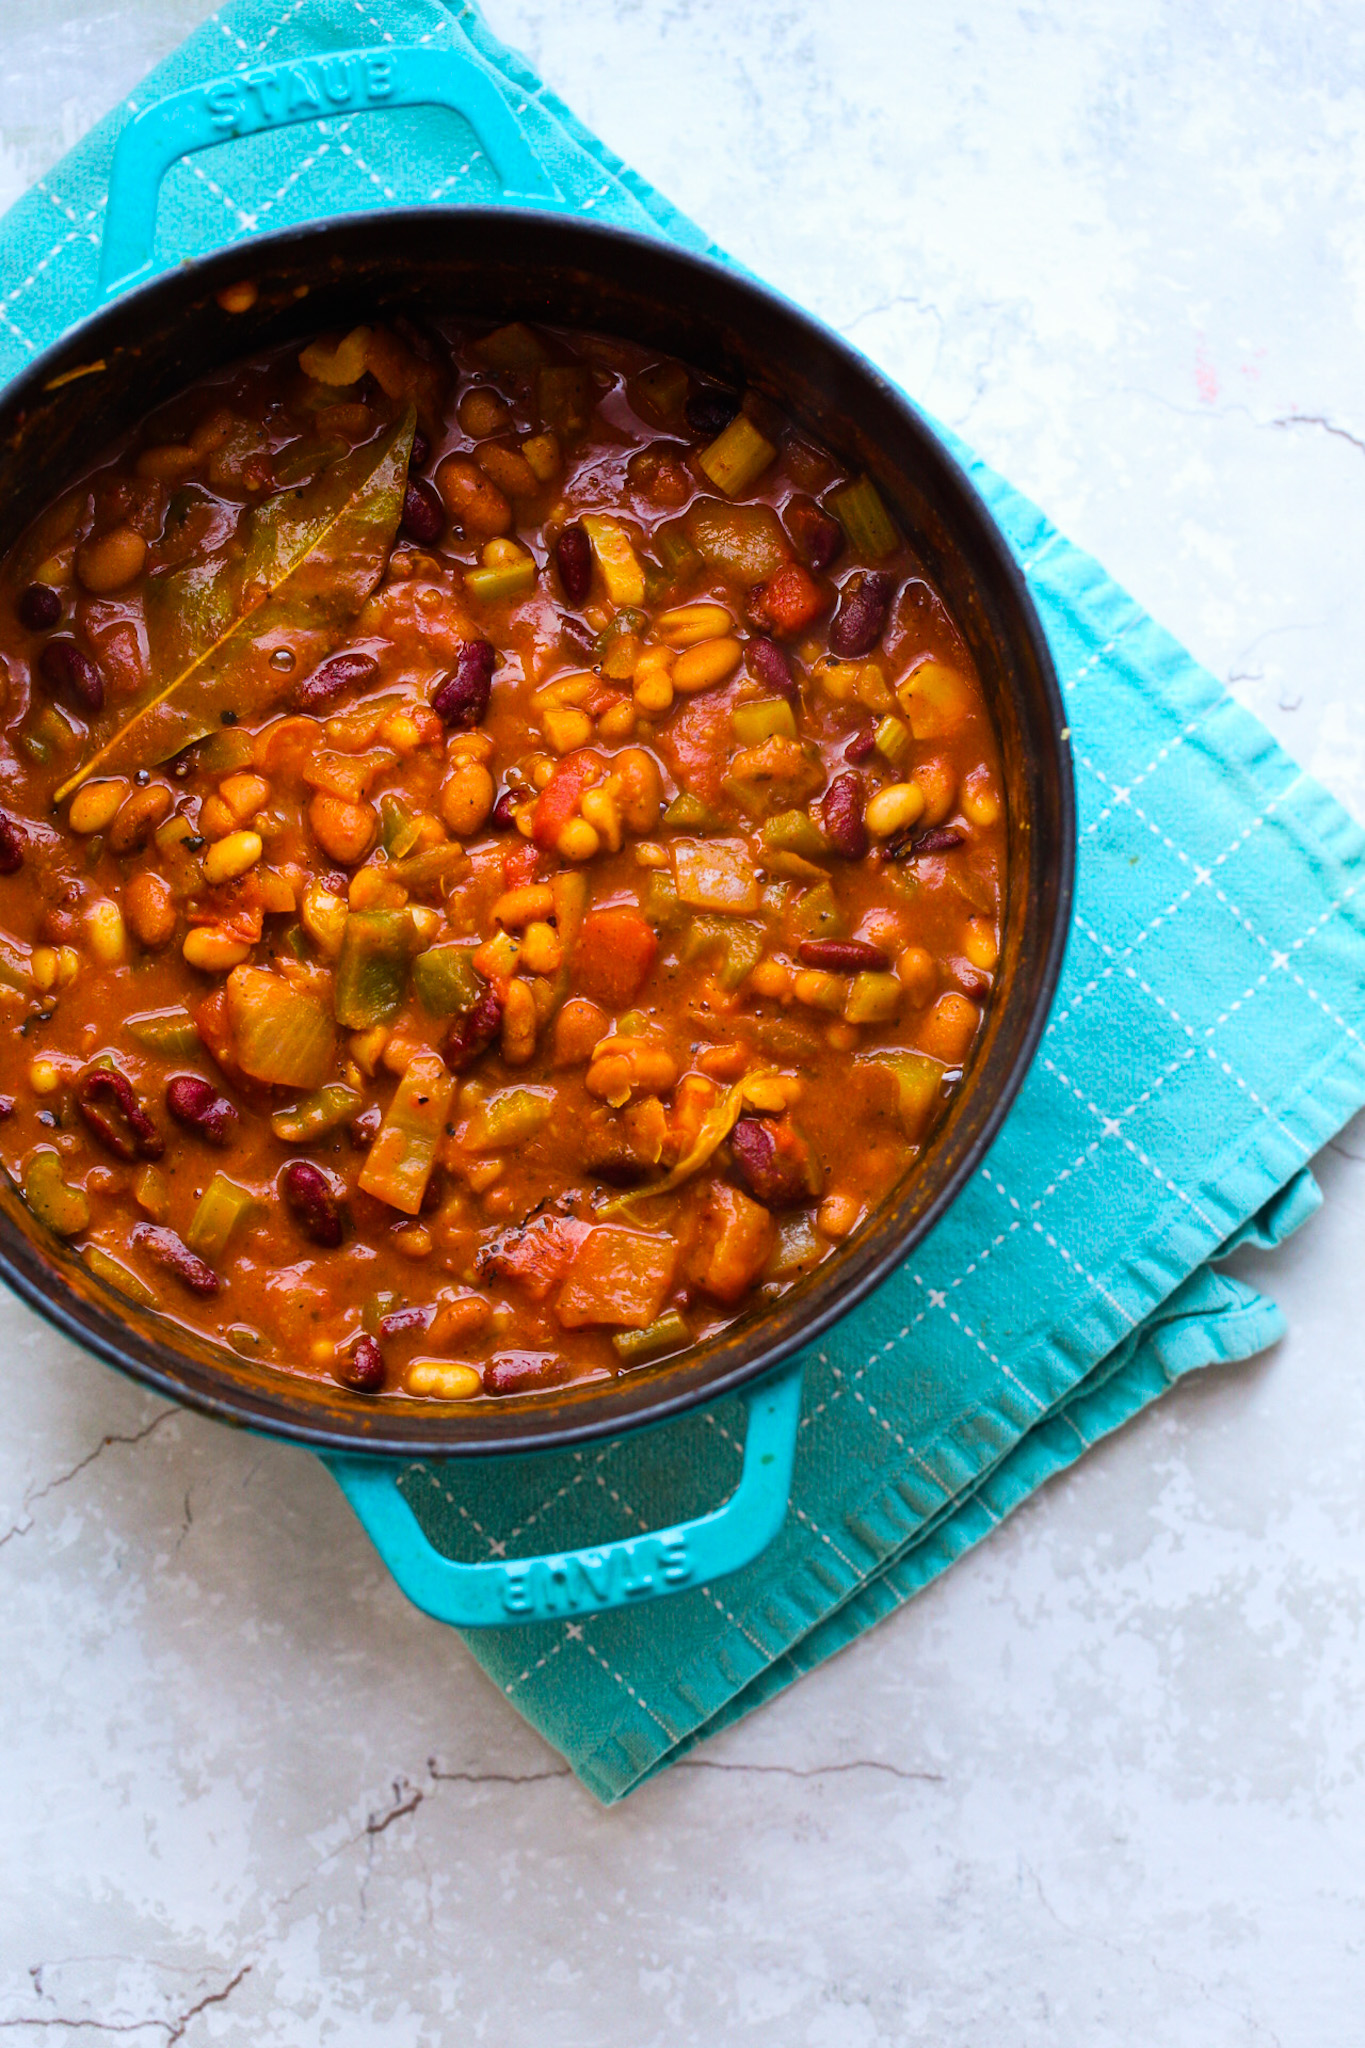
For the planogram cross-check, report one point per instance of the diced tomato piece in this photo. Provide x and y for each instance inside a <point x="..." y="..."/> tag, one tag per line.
<point x="614" y="954"/>
<point x="789" y="601"/>
<point x="561" y="796"/>
<point x="733" y="1245"/>
<point x="211" y="1022"/>
<point x="618" y="1276"/>
<point x="536" y="1258"/>
<point x="696" y="744"/>
<point x="521" y="864"/>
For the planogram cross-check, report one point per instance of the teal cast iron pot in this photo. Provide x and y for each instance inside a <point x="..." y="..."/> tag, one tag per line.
<point x="532" y="259"/>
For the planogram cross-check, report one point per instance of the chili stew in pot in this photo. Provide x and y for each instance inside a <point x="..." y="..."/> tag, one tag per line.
<point x="501" y="858"/>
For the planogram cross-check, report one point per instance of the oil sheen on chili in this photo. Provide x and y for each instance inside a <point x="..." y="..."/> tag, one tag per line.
<point x="502" y="857"/>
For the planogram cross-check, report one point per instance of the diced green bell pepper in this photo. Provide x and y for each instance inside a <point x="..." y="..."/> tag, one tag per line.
<point x="687" y="813"/>
<point x="445" y="980"/>
<point x="919" y="1086"/>
<point x="503" y="582"/>
<point x="660" y="902"/>
<point x="740" y="946"/>
<point x="170" y="1032"/>
<point x="64" y="1210"/>
<point x="795" y="832"/>
<point x="873" y="999"/>
<point x="814" y="915"/>
<point x="372" y="969"/>
<point x="509" y="1118"/>
<point x="564" y="396"/>
<point x="223" y="1207"/>
<point x="397" y="827"/>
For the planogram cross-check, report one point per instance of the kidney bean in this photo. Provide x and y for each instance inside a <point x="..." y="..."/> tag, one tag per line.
<point x="770" y="1160"/>
<point x="401" y="1322"/>
<point x="421" y="449"/>
<point x="843" y="956"/>
<point x="11" y="845"/>
<point x="339" y="672"/>
<point x="174" y="1254"/>
<point x="311" y="1199"/>
<point x="108" y="1104"/>
<point x="362" y="1367"/>
<point x="940" y="839"/>
<point x="474" y="1033"/>
<point x="460" y="699"/>
<point x="710" y="410"/>
<point x="517" y="1372"/>
<point x="364" y="1129"/>
<point x="424" y="516"/>
<point x="65" y="666"/>
<point x="861" y="744"/>
<point x="818" y="537"/>
<point x="863" y="604"/>
<point x="573" y="559"/>
<point x="39" y="607"/>
<point x="768" y="664"/>
<point x="842" y="815"/>
<point x="504" y="813"/>
<point x="7" y="1106"/>
<point x="197" y="1104"/>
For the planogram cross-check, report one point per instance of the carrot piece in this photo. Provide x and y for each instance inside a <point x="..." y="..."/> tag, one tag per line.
<point x="615" y="952"/>
<point x="618" y="1276"/>
<point x="559" y="800"/>
<point x="790" y="600"/>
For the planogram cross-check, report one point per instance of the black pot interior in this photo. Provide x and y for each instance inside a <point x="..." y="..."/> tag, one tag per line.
<point x="501" y="266"/>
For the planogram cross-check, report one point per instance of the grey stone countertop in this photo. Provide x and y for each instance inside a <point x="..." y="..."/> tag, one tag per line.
<point x="1103" y="1784"/>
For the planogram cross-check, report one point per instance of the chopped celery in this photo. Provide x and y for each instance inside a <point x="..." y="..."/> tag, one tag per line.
<point x="312" y="1116"/>
<point x="63" y="1209"/>
<point x="226" y="750"/>
<point x="15" y="972"/>
<point x="616" y="558"/>
<point x="892" y="740"/>
<point x="514" y="347"/>
<point x="763" y="718"/>
<point x="919" y="1082"/>
<point x="737" y="457"/>
<point x="663" y="387"/>
<point x="223" y="1206"/>
<point x="398" y="828"/>
<point x="660" y="901"/>
<point x="669" y="1333"/>
<point x="687" y="813"/>
<point x="860" y="511"/>
<point x="117" y="1276"/>
<point x="445" y="980"/>
<point x="814" y="915"/>
<point x="740" y="946"/>
<point x="504" y="581"/>
<point x="279" y="1034"/>
<point x="795" y="832"/>
<point x="170" y="1032"/>
<point x="873" y="999"/>
<point x="564" y="396"/>
<point x="399" y="1162"/>
<point x="372" y="969"/>
<point x="509" y="1118"/>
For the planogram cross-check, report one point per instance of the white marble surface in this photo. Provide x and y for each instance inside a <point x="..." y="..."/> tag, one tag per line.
<point x="1106" y="1783"/>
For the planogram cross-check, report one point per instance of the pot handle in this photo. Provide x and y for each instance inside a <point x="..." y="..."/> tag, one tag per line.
<point x="590" y="1581"/>
<point x="301" y="89"/>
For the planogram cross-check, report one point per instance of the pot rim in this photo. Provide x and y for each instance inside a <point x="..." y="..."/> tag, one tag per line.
<point x="595" y="1416"/>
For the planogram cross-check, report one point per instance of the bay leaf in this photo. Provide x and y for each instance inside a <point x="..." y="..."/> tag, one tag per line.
<point x="302" y="563"/>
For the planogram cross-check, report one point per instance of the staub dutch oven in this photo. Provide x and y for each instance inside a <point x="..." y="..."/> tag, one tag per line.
<point x="530" y="258"/>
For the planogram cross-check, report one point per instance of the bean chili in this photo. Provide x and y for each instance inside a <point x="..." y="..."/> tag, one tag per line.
<point x="501" y="855"/>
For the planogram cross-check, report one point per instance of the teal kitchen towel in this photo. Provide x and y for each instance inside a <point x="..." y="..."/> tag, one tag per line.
<point x="1205" y="1042"/>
